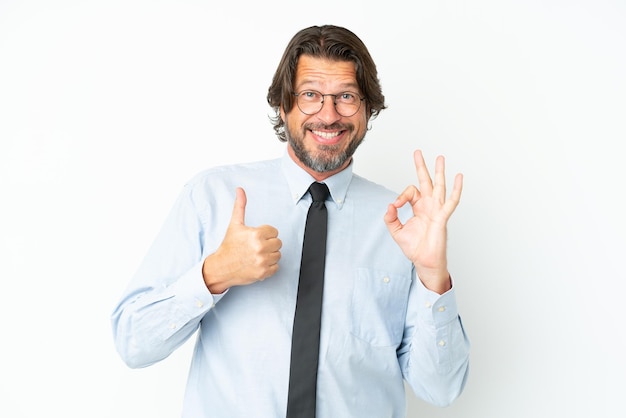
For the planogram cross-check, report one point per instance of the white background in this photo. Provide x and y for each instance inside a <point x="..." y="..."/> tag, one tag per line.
<point x="107" y="108"/>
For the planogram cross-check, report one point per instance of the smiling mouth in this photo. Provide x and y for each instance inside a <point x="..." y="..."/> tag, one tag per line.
<point x="327" y="135"/>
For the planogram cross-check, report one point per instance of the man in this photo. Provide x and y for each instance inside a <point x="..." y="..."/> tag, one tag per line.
<point x="226" y="264"/>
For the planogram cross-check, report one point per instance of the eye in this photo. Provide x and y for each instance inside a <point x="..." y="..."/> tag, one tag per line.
<point x="348" y="97"/>
<point x="311" y="95"/>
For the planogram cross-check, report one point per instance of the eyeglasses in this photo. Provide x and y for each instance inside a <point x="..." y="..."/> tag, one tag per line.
<point x="346" y="104"/>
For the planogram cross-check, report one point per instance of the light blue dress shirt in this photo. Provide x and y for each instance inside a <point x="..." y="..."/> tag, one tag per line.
<point x="380" y="325"/>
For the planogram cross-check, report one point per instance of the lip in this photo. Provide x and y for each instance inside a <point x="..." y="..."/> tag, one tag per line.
<point x="327" y="137"/>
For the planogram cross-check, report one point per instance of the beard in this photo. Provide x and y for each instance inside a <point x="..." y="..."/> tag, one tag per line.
<point x="326" y="157"/>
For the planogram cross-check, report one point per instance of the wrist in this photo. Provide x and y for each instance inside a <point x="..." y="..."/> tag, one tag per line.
<point x="438" y="282"/>
<point x="215" y="283"/>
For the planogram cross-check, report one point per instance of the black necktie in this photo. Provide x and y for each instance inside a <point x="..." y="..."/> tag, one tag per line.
<point x="306" y="325"/>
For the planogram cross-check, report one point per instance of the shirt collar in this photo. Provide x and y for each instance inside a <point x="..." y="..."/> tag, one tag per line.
<point x="299" y="181"/>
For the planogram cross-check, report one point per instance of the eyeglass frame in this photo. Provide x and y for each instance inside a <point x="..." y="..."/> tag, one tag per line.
<point x="361" y="100"/>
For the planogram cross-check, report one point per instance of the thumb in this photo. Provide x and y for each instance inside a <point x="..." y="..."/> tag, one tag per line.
<point x="239" y="209"/>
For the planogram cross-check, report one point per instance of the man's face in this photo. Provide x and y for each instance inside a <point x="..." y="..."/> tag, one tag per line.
<point x="323" y="142"/>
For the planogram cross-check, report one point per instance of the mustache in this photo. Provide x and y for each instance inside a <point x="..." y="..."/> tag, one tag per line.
<point x="332" y="127"/>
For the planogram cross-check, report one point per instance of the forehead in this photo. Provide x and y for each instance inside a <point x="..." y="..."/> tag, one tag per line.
<point x="322" y="73"/>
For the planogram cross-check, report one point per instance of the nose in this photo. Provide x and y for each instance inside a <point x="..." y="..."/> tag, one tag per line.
<point x="328" y="114"/>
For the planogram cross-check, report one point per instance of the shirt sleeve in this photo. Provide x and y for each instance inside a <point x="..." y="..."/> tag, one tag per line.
<point x="434" y="355"/>
<point x="166" y="299"/>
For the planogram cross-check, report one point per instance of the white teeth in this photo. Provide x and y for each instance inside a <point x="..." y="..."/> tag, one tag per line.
<point x="326" y="135"/>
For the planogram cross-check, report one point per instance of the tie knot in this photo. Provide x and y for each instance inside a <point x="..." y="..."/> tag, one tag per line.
<point x="319" y="192"/>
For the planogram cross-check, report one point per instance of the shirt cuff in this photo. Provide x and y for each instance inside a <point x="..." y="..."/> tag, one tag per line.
<point x="435" y="309"/>
<point x="191" y="291"/>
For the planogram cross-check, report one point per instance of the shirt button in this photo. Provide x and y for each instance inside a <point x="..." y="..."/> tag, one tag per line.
<point x="441" y="343"/>
<point x="172" y="326"/>
<point x="428" y="305"/>
<point x="386" y="280"/>
<point x="441" y="308"/>
<point x="199" y="304"/>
